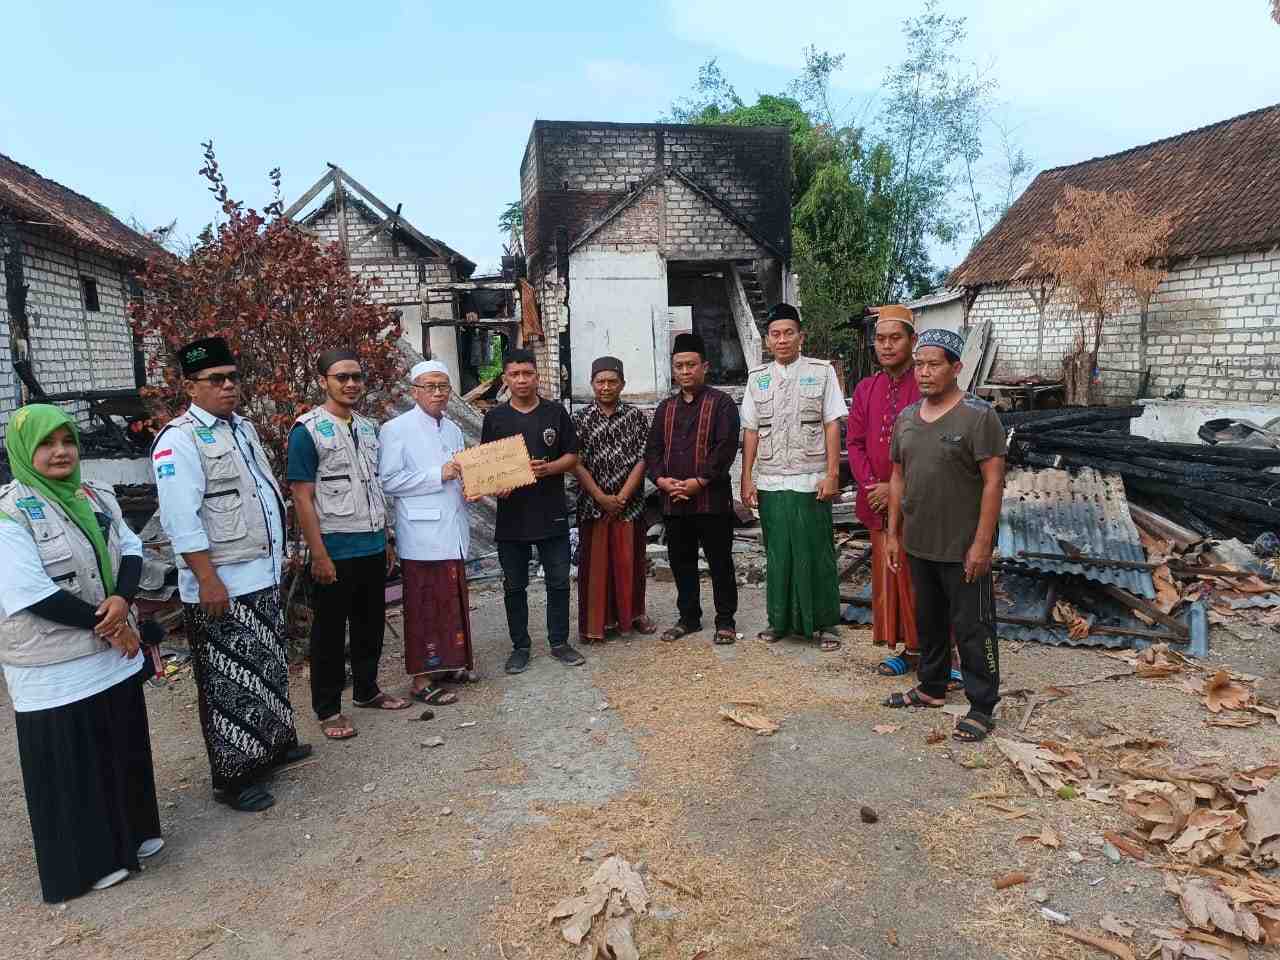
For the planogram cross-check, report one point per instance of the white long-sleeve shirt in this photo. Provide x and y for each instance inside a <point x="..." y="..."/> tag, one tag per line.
<point x="430" y="514"/>
<point x="180" y="486"/>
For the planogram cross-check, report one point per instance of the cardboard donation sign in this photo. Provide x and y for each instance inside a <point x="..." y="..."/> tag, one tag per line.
<point x="492" y="467"/>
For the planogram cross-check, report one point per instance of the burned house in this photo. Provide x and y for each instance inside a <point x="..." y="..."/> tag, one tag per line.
<point x="636" y="231"/>
<point x="1210" y="333"/>
<point x="447" y="313"/>
<point x="67" y="280"/>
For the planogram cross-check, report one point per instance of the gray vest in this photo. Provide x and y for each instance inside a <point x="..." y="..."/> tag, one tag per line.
<point x="789" y="417"/>
<point x="27" y="639"/>
<point x="348" y="495"/>
<point x="233" y="519"/>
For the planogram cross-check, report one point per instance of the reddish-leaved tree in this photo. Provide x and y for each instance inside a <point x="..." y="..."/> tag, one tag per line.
<point x="1105" y="256"/>
<point x="279" y="297"/>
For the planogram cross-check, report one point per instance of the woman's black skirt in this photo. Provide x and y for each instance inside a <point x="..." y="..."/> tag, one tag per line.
<point x="91" y="792"/>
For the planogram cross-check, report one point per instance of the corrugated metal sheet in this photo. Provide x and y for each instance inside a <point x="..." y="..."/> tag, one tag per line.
<point x="1044" y="509"/>
<point x="1019" y="595"/>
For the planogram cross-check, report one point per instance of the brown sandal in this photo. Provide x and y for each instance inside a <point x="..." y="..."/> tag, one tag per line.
<point x="337" y="727"/>
<point x="383" y="701"/>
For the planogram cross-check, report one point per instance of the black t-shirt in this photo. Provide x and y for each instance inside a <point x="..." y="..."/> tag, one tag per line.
<point x="537" y="512"/>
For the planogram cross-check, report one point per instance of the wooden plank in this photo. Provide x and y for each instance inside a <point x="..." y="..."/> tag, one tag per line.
<point x="463" y="285"/>
<point x="974" y="346"/>
<point x="404" y="225"/>
<point x="340" y="196"/>
<point x="310" y="195"/>
<point x="382" y="225"/>
<point x="988" y="361"/>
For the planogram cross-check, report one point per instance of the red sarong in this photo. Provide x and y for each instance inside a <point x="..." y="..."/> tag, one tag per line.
<point x="611" y="575"/>
<point x="437" y="621"/>
<point x="893" y="601"/>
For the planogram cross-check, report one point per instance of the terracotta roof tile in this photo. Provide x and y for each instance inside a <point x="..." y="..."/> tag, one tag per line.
<point x="1221" y="183"/>
<point x="78" y="219"/>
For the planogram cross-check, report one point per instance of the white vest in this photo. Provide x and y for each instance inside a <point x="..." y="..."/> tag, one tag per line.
<point x="28" y="639"/>
<point x="348" y="494"/>
<point x="233" y="519"/>
<point x="789" y="417"/>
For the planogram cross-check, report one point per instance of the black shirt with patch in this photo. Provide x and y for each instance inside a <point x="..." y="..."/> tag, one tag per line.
<point x="538" y="512"/>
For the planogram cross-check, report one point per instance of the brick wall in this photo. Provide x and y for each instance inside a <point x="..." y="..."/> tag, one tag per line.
<point x="71" y="348"/>
<point x="696" y="230"/>
<point x="572" y="172"/>
<point x="1212" y="326"/>
<point x="551" y="295"/>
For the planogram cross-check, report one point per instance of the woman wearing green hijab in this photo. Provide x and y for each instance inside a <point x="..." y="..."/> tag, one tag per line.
<point x="70" y="654"/>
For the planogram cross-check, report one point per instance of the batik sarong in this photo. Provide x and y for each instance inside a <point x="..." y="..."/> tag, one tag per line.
<point x="242" y="677"/>
<point x="437" y="619"/>
<point x="802" y="592"/>
<point x="612" y="566"/>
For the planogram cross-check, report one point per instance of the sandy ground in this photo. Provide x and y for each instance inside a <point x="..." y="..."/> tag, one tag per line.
<point x="752" y="847"/>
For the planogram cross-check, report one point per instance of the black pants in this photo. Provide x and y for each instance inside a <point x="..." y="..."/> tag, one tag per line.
<point x="714" y="533"/>
<point x="553" y="554"/>
<point x="945" y="602"/>
<point x="358" y="598"/>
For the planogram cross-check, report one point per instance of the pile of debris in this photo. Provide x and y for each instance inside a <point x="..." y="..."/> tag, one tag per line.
<point x="1217" y="490"/>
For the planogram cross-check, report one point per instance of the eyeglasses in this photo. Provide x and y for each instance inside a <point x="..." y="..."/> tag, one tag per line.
<point x="219" y="380"/>
<point x="433" y="387"/>
<point x="347" y="377"/>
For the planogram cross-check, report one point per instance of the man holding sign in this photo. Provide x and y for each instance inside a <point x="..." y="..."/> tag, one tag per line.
<point x="536" y="515"/>
<point x="417" y="469"/>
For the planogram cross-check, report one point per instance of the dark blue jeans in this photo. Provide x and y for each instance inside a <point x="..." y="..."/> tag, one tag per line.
<point x="514" y="555"/>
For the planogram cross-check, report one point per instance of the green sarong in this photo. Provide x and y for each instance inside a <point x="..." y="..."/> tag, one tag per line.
<point x="801" y="590"/>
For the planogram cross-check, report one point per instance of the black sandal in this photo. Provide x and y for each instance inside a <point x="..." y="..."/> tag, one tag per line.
<point x="252" y="799"/>
<point x="973" y="727"/>
<point x="725" y="636"/>
<point x="912" y="698"/>
<point x="676" y="632"/>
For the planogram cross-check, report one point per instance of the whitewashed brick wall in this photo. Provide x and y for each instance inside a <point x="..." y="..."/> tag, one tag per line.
<point x="1212" y="327"/>
<point x="71" y="348"/>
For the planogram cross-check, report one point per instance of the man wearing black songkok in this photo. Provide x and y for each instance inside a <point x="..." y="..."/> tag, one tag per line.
<point x="693" y="443"/>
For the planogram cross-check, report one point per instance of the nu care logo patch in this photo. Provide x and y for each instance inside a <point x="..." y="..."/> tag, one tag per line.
<point x="32" y="506"/>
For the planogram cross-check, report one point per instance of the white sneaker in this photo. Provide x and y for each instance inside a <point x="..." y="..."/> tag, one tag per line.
<point x="149" y="848"/>
<point x="111" y="879"/>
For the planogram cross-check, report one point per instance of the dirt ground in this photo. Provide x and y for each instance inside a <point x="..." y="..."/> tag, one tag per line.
<point x="751" y="846"/>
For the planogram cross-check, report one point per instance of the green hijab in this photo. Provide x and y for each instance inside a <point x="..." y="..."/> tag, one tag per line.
<point x="27" y="428"/>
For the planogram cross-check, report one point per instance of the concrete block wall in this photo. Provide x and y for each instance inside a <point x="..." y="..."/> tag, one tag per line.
<point x="1212" y="327"/>
<point x="551" y="296"/>
<point x="72" y="348"/>
<point x="696" y="230"/>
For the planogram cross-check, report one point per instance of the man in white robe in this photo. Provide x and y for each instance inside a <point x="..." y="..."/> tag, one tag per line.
<point x="418" y="470"/>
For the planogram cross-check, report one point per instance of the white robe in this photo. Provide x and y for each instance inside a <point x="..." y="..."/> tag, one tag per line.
<point x="430" y="515"/>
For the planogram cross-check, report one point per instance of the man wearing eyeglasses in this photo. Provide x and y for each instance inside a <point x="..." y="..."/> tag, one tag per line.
<point x="333" y="474"/>
<point x="223" y="513"/>
<point x="418" y="469"/>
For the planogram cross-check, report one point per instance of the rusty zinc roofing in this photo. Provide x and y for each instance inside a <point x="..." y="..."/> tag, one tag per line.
<point x="1053" y="511"/>
<point x="44" y="204"/>
<point x="1220" y="183"/>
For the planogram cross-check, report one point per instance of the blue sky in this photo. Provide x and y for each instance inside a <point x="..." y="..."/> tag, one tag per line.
<point x="430" y="104"/>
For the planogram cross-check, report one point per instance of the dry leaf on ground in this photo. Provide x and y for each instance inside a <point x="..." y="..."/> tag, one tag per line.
<point x="1232" y="722"/>
<point x="1116" y="948"/>
<point x="762" y="725"/>
<point x="1208" y="908"/>
<point x="885" y="728"/>
<point x="1113" y="924"/>
<point x="1223" y="693"/>
<point x="1045" y="769"/>
<point x="1010" y="880"/>
<point x="614" y="895"/>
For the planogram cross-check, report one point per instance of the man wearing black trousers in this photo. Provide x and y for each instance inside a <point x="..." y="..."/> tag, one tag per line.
<point x="948" y="457"/>
<point x="333" y="474"/>
<point x="693" y="442"/>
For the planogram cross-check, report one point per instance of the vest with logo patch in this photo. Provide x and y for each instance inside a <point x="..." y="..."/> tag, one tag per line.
<point x="233" y="519"/>
<point x="28" y="639"/>
<point x="348" y="495"/>
<point x="789" y="417"/>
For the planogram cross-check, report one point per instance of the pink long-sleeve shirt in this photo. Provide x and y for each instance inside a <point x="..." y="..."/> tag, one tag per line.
<point x="877" y="401"/>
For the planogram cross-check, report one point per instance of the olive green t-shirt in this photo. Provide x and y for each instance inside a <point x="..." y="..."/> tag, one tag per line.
<point x="942" y="495"/>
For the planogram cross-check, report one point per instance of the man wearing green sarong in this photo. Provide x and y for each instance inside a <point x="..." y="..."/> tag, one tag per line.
<point x="791" y="442"/>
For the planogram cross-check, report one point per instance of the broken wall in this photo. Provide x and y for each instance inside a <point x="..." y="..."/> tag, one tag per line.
<point x="72" y="347"/>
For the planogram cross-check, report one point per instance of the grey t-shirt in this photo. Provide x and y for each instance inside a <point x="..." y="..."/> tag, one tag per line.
<point x="942" y="496"/>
